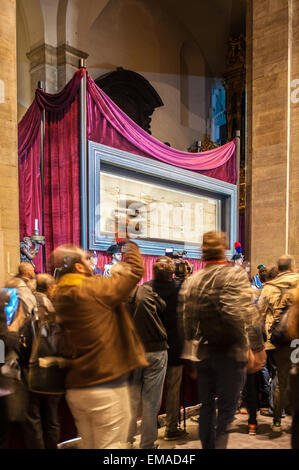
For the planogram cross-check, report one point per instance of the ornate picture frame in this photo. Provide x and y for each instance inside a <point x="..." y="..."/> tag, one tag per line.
<point x="208" y="203"/>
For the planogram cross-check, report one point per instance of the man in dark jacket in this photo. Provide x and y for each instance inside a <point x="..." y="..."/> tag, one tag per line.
<point x="146" y="384"/>
<point x="102" y="343"/>
<point x="219" y="314"/>
<point x="167" y="288"/>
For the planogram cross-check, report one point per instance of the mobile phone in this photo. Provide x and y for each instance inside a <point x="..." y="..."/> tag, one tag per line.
<point x="12" y="305"/>
<point x="168" y="251"/>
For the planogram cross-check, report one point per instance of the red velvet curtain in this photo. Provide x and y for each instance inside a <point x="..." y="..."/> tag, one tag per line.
<point x="61" y="161"/>
<point x="61" y="167"/>
<point x="148" y="260"/>
<point x="107" y="125"/>
<point x="30" y="192"/>
<point x="61" y="189"/>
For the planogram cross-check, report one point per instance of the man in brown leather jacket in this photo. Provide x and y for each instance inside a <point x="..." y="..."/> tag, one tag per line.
<point x="103" y="344"/>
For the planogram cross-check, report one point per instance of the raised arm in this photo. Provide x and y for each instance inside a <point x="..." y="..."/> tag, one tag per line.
<point x="124" y="277"/>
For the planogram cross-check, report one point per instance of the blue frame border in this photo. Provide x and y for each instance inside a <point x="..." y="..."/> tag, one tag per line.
<point x="98" y="153"/>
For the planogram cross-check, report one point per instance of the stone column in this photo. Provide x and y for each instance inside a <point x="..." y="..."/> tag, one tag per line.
<point x="43" y="67"/>
<point x="273" y="224"/>
<point x="9" y="196"/>
<point x="54" y="66"/>
<point x="68" y="59"/>
<point x="294" y="134"/>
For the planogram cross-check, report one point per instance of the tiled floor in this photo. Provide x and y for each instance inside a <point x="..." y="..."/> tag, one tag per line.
<point x="238" y="436"/>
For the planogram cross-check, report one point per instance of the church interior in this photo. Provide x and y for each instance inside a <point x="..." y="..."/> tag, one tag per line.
<point x="194" y="75"/>
<point x="206" y="71"/>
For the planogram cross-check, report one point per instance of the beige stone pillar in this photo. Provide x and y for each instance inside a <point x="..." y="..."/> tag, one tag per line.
<point x="272" y="125"/>
<point x="68" y="59"/>
<point x="53" y="66"/>
<point x="294" y="134"/>
<point x="9" y="199"/>
<point x="43" y="68"/>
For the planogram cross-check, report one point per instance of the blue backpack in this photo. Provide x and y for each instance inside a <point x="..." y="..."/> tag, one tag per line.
<point x="12" y="307"/>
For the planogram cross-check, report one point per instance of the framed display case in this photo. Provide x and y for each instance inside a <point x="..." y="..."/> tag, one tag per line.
<point x="166" y="206"/>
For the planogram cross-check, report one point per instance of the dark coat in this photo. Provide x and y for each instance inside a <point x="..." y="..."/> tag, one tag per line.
<point x="146" y="308"/>
<point x="168" y="291"/>
<point x="219" y="312"/>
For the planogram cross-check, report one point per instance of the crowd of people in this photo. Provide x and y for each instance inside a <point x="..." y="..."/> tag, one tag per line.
<point x="123" y="347"/>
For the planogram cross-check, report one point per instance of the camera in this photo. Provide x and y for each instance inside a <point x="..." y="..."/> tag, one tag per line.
<point x="182" y="266"/>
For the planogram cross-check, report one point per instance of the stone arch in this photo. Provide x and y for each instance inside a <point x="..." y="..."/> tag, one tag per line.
<point x="31" y="14"/>
<point x="26" y="14"/>
<point x="113" y="37"/>
<point x="61" y="22"/>
<point x="75" y="19"/>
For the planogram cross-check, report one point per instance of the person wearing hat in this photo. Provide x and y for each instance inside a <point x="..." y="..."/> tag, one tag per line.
<point x="259" y="279"/>
<point x="237" y="259"/>
<point x="115" y="251"/>
<point x="93" y="263"/>
<point x="219" y="314"/>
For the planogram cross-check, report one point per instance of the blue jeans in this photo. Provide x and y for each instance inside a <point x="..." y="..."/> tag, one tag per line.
<point x="219" y="377"/>
<point x="146" y="386"/>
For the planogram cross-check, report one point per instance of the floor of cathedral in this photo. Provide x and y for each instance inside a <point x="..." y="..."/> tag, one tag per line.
<point x="238" y="435"/>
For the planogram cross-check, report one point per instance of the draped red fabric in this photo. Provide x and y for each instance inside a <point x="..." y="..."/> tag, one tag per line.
<point x="106" y="124"/>
<point x="61" y="170"/>
<point x="27" y="129"/>
<point x="61" y="167"/>
<point x="30" y="192"/>
<point x="109" y="125"/>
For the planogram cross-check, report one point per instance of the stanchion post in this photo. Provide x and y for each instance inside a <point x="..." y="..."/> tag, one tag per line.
<point x="238" y="159"/>
<point x="42" y="163"/>
<point x="83" y="162"/>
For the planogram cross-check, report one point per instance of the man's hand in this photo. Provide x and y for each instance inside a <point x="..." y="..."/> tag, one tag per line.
<point x="256" y="360"/>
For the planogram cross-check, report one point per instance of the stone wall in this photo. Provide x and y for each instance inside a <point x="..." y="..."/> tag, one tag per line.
<point x="272" y="144"/>
<point x="294" y="134"/>
<point x="9" y="203"/>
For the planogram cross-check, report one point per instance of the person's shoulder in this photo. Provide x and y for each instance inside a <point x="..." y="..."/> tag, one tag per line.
<point x="145" y="289"/>
<point x="235" y="276"/>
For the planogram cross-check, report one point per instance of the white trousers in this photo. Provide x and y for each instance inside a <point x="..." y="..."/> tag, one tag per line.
<point x="102" y="415"/>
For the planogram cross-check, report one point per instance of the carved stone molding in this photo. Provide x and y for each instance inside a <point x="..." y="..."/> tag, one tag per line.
<point x="54" y="66"/>
<point x="67" y="54"/>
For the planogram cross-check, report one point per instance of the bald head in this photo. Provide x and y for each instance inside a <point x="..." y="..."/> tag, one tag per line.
<point x="71" y="259"/>
<point x="286" y="263"/>
<point x="26" y="270"/>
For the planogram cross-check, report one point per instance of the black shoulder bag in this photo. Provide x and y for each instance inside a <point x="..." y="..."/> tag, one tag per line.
<point x="47" y="366"/>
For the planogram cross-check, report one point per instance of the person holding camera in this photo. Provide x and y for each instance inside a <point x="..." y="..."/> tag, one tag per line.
<point x="101" y="342"/>
<point x="167" y="288"/>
